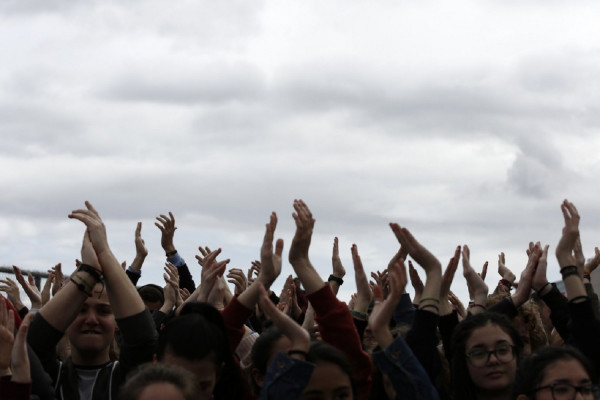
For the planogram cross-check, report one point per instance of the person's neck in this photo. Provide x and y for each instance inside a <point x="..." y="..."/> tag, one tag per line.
<point x="89" y="359"/>
<point x="505" y="394"/>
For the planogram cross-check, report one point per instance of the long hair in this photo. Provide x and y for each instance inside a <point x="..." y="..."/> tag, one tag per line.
<point x="532" y="369"/>
<point x="462" y="386"/>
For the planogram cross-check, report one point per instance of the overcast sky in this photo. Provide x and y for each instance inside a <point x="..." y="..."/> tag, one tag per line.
<point x="466" y="121"/>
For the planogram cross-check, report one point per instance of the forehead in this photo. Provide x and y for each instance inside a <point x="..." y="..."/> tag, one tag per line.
<point x="488" y="335"/>
<point x="565" y="370"/>
<point x="99" y="298"/>
<point x="327" y="377"/>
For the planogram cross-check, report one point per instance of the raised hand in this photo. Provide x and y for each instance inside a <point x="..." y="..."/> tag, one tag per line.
<point x="338" y="269"/>
<point x="483" y="273"/>
<point x="167" y="229"/>
<point x="210" y="273"/>
<point x="270" y="260"/>
<point x="383" y="310"/>
<point x="447" y="279"/>
<point x="478" y="290"/>
<point x="59" y="279"/>
<point x="7" y="327"/>
<point x="298" y="336"/>
<point x="237" y="277"/>
<point x="88" y="254"/>
<point x="95" y="228"/>
<point x="140" y="245"/>
<point x="253" y="270"/>
<point x="12" y="292"/>
<point x="431" y="265"/>
<point x="593" y="263"/>
<point x="140" y="249"/>
<point x="540" y="281"/>
<point x="503" y="270"/>
<point x="171" y="290"/>
<point x="304" y="228"/>
<point x="457" y="305"/>
<point x="45" y="295"/>
<point x="416" y="282"/>
<point x="566" y="244"/>
<point x="416" y="250"/>
<point x="284" y="296"/>
<point x="19" y="363"/>
<point x="363" y="294"/>
<point x="29" y="287"/>
<point x="521" y="295"/>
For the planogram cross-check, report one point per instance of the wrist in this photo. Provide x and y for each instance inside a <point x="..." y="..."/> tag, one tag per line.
<point x="336" y="279"/>
<point x="170" y="253"/>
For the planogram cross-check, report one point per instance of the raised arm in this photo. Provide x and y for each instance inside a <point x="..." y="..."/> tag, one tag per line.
<point x="298" y="255"/>
<point x="135" y="269"/>
<point x="564" y="254"/>
<point x="123" y="296"/>
<point x="363" y="290"/>
<point x="166" y="225"/>
<point x="336" y="278"/>
<point x="478" y="290"/>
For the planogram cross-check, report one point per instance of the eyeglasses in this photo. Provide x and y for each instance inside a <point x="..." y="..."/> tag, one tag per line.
<point x="504" y="353"/>
<point x="566" y="391"/>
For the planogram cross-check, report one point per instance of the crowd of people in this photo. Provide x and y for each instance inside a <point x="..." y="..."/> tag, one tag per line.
<point x="95" y="335"/>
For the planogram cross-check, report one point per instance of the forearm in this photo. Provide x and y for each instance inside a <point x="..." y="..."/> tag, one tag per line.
<point x="62" y="309"/>
<point x="137" y="263"/>
<point x="123" y="296"/>
<point x="309" y="277"/>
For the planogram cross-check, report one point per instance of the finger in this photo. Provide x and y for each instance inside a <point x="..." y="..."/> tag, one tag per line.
<point x="484" y="271"/>
<point x="138" y="230"/>
<point x="336" y="252"/>
<point x="172" y="217"/>
<point x="30" y="279"/>
<point x="279" y="247"/>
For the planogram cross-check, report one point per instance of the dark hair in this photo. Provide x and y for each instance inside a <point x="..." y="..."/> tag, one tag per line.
<point x="199" y="332"/>
<point x="263" y="347"/>
<point x="462" y="384"/>
<point x="148" y="374"/>
<point x="152" y="293"/>
<point x="323" y="352"/>
<point x="532" y="369"/>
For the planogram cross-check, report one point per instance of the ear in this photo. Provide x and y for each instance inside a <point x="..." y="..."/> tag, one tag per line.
<point x="257" y="377"/>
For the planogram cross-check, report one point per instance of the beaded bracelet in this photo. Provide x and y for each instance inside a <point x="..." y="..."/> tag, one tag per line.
<point x="363" y="316"/>
<point x="568" y="271"/>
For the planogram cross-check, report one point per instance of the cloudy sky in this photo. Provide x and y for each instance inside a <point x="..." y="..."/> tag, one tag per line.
<point x="466" y="121"/>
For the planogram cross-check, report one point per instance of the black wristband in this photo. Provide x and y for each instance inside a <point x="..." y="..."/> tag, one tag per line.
<point x="334" y="278"/>
<point x="568" y="271"/>
<point x="299" y="352"/>
<point x="95" y="273"/>
<point x="81" y="287"/>
<point x="574" y="299"/>
<point x="171" y="253"/>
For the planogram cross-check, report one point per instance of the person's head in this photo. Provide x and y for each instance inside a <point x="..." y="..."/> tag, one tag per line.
<point x="332" y="376"/>
<point x="486" y="352"/>
<point x="528" y="323"/>
<point x="159" y="382"/>
<point x="92" y="331"/>
<point x="153" y="296"/>
<point x="266" y="347"/>
<point x="555" y="373"/>
<point x="197" y="341"/>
